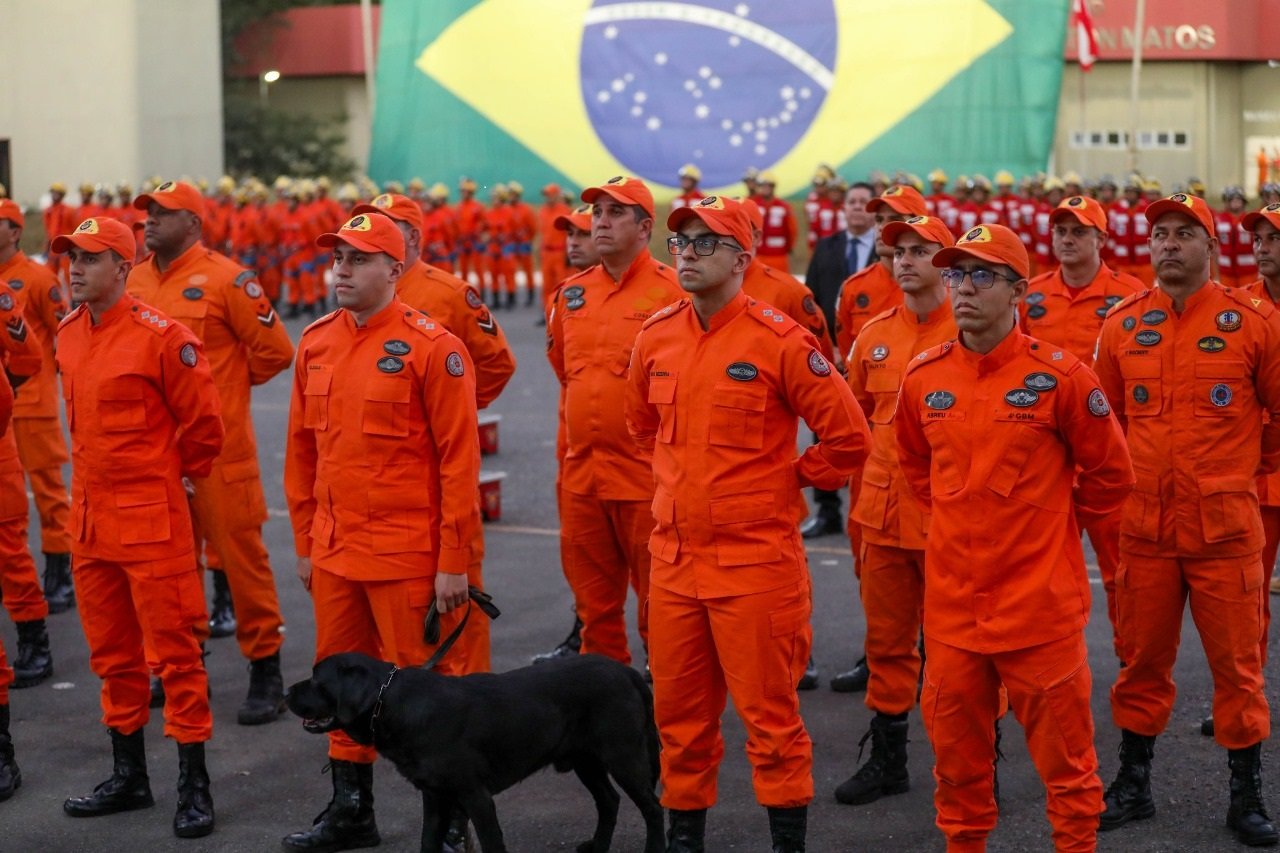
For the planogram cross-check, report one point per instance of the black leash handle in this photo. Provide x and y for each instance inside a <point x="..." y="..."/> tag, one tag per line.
<point x="431" y="630"/>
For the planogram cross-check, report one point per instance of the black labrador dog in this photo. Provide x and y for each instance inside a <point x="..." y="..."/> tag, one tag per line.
<point x="460" y="740"/>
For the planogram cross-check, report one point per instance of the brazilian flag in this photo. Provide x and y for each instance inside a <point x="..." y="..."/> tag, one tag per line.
<point x="577" y="91"/>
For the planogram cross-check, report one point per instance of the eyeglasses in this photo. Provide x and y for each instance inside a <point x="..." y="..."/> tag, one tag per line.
<point x="982" y="279"/>
<point x="702" y="246"/>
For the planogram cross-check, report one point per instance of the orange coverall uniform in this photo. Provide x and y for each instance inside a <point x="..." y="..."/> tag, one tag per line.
<point x="1007" y="473"/>
<point x="469" y="214"/>
<point x="20" y="354"/>
<point x="224" y="306"/>
<point x="784" y="291"/>
<point x="143" y="412"/>
<point x="458" y="308"/>
<point x="894" y="528"/>
<point x="36" y="426"/>
<point x="499" y="229"/>
<point x="729" y="598"/>
<point x="58" y="218"/>
<point x="1268" y="491"/>
<point x="606" y="486"/>
<point x="1192" y="388"/>
<point x="524" y="224"/>
<point x="6" y="410"/>
<point x="866" y="293"/>
<point x="1071" y="318"/>
<point x="551" y="250"/>
<point x="382" y="478"/>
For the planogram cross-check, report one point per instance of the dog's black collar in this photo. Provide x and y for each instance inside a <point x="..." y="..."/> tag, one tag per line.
<point x="377" y="706"/>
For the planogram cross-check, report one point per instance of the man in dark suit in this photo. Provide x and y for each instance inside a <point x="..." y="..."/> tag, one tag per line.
<point x="835" y="258"/>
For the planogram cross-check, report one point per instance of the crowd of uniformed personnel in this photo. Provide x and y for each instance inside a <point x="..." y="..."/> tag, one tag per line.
<point x="1136" y="332"/>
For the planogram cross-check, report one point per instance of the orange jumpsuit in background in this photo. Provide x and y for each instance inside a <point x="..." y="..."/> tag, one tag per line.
<point x="499" y="229"/>
<point x="553" y="264"/>
<point x="246" y="344"/>
<point x="890" y="566"/>
<point x="1268" y="500"/>
<point x="469" y="214"/>
<point x="784" y="291"/>
<point x="59" y="218"/>
<point x="21" y="357"/>
<point x="6" y="410"/>
<point x="1007" y="472"/>
<point x="36" y="426"/>
<point x="143" y="412"/>
<point x="729" y="599"/>
<point x="381" y="476"/>
<point x="458" y="308"/>
<point x="863" y="295"/>
<point x="524" y="225"/>
<point x="1071" y="318"/>
<point x="1192" y="389"/>
<point x="606" y="486"/>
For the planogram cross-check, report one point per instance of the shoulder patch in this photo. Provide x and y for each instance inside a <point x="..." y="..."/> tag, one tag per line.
<point x="152" y="319"/>
<point x="1054" y="357"/>
<point x="1121" y="304"/>
<point x="669" y="311"/>
<point x="422" y="324"/>
<point x="1248" y="300"/>
<point x="775" y="319"/>
<point x="244" y="278"/>
<point x="933" y="353"/>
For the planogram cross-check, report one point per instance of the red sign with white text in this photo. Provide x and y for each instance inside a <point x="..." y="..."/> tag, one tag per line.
<point x="1241" y="30"/>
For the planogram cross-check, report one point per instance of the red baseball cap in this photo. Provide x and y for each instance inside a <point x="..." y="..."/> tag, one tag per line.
<point x="724" y="216"/>
<point x="396" y="206"/>
<point x="1084" y="209"/>
<point x="1191" y="206"/>
<point x="98" y="234"/>
<point x="10" y="210"/>
<point x="580" y="219"/>
<point x="1271" y="213"/>
<point x="754" y="214"/>
<point x="551" y="189"/>
<point x="622" y="189"/>
<point x="994" y="243"/>
<point x="173" y="195"/>
<point x="367" y="232"/>
<point x="901" y="199"/>
<point x="930" y="228"/>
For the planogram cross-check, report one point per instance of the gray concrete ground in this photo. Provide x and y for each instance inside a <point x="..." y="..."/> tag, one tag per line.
<point x="268" y="781"/>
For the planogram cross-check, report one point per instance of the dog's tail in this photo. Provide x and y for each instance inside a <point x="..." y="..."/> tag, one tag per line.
<point x="652" y="744"/>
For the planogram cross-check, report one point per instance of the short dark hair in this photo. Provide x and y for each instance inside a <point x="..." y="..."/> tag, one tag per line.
<point x="862" y="185"/>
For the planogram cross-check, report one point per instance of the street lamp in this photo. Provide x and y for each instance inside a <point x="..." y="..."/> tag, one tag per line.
<point x="267" y="78"/>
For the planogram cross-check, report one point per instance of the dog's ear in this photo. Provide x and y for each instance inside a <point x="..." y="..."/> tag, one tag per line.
<point x="355" y="691"/>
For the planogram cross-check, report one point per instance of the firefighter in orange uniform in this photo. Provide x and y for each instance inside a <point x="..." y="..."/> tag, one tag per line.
<point x="551" y="243"/>
<point x="765" y="284"/>
<point x="497" y="227"/>
<point x="1264" y="225"/>
<point x="59" y="218"/>
<point x="36" y="427"/>
<point x="1001" y="427"/>
<point x="891" y="562"/>
<point x="381" y="475"/>
<point x="457" y="307"/>
<point x="143" y="411"/>
<point x="10" y="774"/>
<point x="225" y="307"/>
<point x="872" y="289"/>
<point x="469" y="215"/>
<point x="20" y="355"/>
<point x="524" y="225"/>
<point x="689" y="176"/>
<point x="1066" y="308"/>
<point x="1191" y="368"/>
<point x="779" y="225"/>
<point x="606" y="487"/>
<point x="717" y="383"/>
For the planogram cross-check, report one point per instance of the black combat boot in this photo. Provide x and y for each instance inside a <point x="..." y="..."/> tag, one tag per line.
<point x="265" y="701"/>
<point x="570" y="646"/>
<point x="1129" y="796"/>
<point x="35" y="661"/>
<point x="347" y="823"/>
<point x="686" y="831"/>
<point x="853" y="681"/>
<point x="127" y="789"/>
<point x="787" y="828"/>
<point x="194" y="817"/>
<point x="511" y="299"/>
<point x="1247" y="815"/>
<point x="58" y="589"/>
<point x="10" y="775"/>
<point x="886" y="770"/>
<point x="457" y="838"/>
<point x="222" y="617"/>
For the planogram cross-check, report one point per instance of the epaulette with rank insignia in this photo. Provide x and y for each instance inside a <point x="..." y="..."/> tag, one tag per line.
<point x="422" y="324"/>
<point x="1254" y="303"/>
<point x="879" y="318"/>
<point x="151" y="319"/>
<point x="1129" y="300"/>
<point x="322" y="321"/>
<point x="73" y="314"/>
<point x="1055" y="358"/>
<point x="933" y="353"/>
<point x="669" y="311"/>
<point x="867" y="270"/>
<point x="776" y="320"/>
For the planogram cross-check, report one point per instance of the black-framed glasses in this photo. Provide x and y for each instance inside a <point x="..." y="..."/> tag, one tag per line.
<point x="982" y="279"/>
<point x="702" y="246"/>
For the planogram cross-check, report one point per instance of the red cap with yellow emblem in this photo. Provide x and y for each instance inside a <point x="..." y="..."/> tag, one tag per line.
<point x="367" y="232"/>
<point x="396" y="206"/>
<point x="1086" y="210"/>
<point x="624" y="190"/>
<point x="98" y="234"/>
<point x="930" y="228"/>
<point x="900" y="199"/>
<point x="1271" y="213"/>
<point x="1191" y="206"/>
<point x="994" y="243"/>
<point x="724" y="216"/>
<point x="580" y="218"/>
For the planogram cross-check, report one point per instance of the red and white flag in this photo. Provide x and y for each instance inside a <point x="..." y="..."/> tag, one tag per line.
<point x="1086" y="38"/>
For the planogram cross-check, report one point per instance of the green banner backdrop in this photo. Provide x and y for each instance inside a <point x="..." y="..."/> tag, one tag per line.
<point x="575" y="91"/>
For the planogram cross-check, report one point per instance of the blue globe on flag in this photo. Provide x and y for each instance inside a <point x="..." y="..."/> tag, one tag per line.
<point x="722" y="84"/>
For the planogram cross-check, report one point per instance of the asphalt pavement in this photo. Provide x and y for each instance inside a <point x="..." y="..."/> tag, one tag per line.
<point x="267" y="781"/>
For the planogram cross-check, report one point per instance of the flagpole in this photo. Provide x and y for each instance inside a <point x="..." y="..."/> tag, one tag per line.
<point x="1139" y="26"/>
<point x="366" y="27"/>
<point x="1084" y="124"/>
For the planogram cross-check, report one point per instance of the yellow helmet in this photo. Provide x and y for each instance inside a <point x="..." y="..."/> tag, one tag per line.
<point x="467" y="184"/>
<point x="416" y="183"/>
<point x="1053" y="182"/>
<point x="348" y="192"/>
<point x="980" y="182"/>
<point x="323" y="182"/>
<point x="282" y="183"/>
<point x="823" y="174"/>
<point x="1150" y="185"/>
<point x="202" y="184"/>
<point x="688" y="170"/>
<point x="767" y="178"/>
<point x="1004" y="178"/>
<point x="438" y="191"/>
<point x="226" y="184"/>
<point x="937" y="176"/>
<point x="393" y="187"/>
<point x="1072" y="178"/>
<point x="515" y="188"/>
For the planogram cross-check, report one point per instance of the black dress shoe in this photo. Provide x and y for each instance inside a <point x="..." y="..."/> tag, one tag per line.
<point x="853" y="681"/>
<point x="809" y="681"/>
<point x="1206" y="726"/>
<point x="821" y="525"/>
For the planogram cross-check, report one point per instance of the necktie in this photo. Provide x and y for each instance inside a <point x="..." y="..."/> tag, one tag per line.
<point x="851" y="255"/>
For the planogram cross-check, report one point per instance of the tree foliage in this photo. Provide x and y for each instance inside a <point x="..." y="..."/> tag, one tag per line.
<point x="264" y="142"/>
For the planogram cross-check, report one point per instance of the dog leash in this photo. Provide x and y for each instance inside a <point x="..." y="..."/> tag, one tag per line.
<point x="431" y="630"/>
